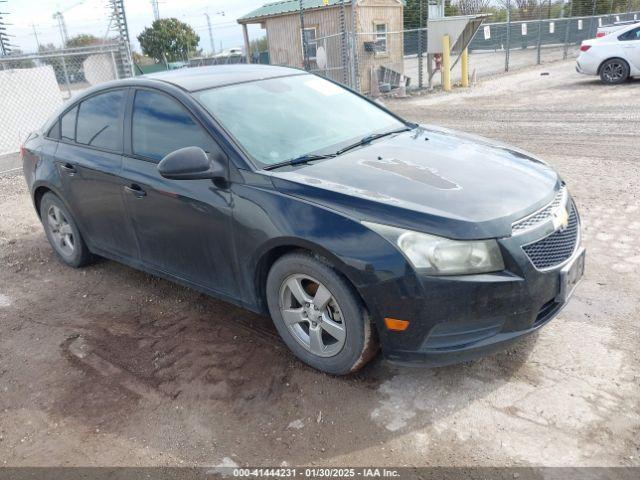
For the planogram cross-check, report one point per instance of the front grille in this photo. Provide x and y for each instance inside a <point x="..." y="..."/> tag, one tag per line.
<point x="543" y="214"/>
<point x="557" y="247"/>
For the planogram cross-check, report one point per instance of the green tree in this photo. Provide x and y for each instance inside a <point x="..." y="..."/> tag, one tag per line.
<point x="84" y="40"/>
<point x="258" y="45"/>
<point x="168" y="39"/>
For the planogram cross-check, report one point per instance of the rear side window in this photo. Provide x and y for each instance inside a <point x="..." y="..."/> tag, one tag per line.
<point x="54" y="132"/>
<point x="68" y="125"/>
<point x="100" y="120"/>
<point x="630" y="35"/>
<point x="161" y="125"/>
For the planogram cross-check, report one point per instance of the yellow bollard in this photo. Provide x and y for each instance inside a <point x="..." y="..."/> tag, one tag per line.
<point x="446" y="64"/>
<point x="464" y="61"/>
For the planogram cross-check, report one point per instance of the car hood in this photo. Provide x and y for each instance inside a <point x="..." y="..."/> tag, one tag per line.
<point x="430" y="179"/>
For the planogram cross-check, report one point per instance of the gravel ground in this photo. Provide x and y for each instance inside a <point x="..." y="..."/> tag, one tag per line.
<point x="110" y="366"/>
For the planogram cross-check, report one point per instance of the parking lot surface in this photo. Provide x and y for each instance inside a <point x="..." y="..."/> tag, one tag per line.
<point x="109" y="366"/>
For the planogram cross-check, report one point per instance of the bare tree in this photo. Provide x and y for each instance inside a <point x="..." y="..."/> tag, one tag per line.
<point x="524" y="9"/>
<point x="528" y="9"/>
<point x="470" y="7"/>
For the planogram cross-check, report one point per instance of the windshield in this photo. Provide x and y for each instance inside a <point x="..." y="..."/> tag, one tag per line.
<point x="284" y="118"/>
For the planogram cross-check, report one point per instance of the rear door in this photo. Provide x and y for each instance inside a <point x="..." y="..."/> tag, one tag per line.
<point x="89" y="159"/>
<point x="630" y="44"/>
<point x="182" y="226"/>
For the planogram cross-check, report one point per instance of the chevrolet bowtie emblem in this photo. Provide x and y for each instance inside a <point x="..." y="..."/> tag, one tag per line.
<point x="560" y="219"/>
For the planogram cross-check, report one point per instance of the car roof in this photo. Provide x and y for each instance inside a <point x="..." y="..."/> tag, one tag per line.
<point x="200" y="78"/>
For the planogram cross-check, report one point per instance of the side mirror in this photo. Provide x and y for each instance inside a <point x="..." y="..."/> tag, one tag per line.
<point x="192" y="163"/>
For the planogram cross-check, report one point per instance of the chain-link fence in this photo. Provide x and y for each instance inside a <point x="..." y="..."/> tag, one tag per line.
<point x="518" y="43"/>
<point x="33" y="86"/>
<point x="372" y="57"/>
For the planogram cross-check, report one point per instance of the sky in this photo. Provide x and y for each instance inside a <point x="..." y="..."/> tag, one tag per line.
<point x="92" y="16"/>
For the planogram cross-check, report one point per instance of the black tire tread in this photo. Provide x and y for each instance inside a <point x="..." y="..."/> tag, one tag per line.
<point x="83" y="257"/>
<point x="369" y="344"/>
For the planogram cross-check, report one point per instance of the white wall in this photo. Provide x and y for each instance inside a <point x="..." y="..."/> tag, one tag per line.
<point x="28" y="97"/>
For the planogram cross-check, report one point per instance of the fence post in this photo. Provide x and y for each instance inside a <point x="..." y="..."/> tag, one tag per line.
<point x="539" y="34"/>
<point x="305" y="54"/>
<point x="114" y="65"/>
<point x="566" y="32"/>
<point x="344" y="53"/>
<point x="420" y="66"/>
<point x="66" y="75"/>
<point x="354" y="46"/>
<point x="610" y="12"/>
<point x="593" y="19"/>
<point x="508" y="46"/>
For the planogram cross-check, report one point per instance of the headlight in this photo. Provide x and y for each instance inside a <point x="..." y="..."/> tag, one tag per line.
<point x="440" y="256"/>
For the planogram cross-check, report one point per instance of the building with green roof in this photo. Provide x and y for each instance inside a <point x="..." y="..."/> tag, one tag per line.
<point x="378" y="36"/>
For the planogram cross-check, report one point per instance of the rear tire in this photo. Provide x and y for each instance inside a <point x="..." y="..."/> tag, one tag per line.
<point x="318" y="315"/>
<point x="62" y="232"/>
<point x="614" y="71"/>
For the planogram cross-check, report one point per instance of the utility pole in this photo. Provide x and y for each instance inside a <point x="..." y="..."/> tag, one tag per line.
<point x="211" y="42"/>
<point x="62" y="26"/>
<point x="119" y="19"/>
<point x="5" y="46"/>
<point x="213" y="46"/>
<point x="35" y="34"/>
<point x="156" y="11"/>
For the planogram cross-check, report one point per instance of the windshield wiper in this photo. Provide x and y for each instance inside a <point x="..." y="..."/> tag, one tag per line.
<point x="371" y="138"/>
<point x="299" y="160"/>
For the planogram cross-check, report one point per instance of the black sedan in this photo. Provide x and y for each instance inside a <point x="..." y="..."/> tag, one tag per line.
<point x="288" y="194"/>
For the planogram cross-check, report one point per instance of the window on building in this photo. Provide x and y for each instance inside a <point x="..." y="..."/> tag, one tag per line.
<point x="310" y="38"/>
<point x="381" y="37"/>
<point x="100" y="120"/>
<point x="161" y="125"/>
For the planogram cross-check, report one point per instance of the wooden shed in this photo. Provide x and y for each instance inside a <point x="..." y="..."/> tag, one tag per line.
<point x="378" y="35"/>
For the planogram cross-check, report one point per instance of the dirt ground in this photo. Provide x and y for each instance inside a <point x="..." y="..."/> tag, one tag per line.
<point x="110" y="366"/>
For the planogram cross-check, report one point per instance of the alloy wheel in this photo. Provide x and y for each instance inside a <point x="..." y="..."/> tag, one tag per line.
<point x="613" y="72"/>
<point x="61" y="231"/>
<point x="312" y="315"/>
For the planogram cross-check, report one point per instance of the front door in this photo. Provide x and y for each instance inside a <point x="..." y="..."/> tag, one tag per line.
<point x="183" y="226"/>
<point x="89" y="159"/>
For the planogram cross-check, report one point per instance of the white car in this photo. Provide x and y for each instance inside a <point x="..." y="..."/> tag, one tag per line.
<point x="615" y="57"/>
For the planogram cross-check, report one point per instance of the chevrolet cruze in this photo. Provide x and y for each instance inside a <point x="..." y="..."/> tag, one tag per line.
<point x="288" y="194"/>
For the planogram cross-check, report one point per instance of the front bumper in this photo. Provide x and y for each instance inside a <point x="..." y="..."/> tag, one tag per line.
<point x="456" y="319"/>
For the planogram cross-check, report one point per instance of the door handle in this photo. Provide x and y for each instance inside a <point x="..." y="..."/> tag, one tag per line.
<point x="135" y="190"/>
<point x="68" y="168"/>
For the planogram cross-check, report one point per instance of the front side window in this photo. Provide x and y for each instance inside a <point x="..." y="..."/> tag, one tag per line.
<point x="68" y="125"/>
<point x="100" y="120"/>
<point x="312" y="46"/>
<point x="381" y="37"/>
<point x="161" y="125"/>
<point x="282" y="118"/>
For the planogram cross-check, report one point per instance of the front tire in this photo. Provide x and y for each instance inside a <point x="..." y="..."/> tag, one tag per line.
<point x="62" y="232"/>
<point x="614" y="71"/>
<point x="318" y="315"/>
